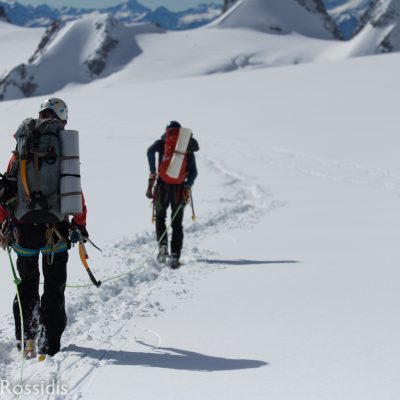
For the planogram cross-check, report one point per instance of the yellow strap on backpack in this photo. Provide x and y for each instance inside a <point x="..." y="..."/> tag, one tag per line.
<point x="24" y="180"/>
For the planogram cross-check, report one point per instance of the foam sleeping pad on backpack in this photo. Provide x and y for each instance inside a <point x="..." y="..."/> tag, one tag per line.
<point x="71" y="195"/>
<point x="70" y="182"/>
<point x="70" y="167"/>
<point x="182" y="143"/>
<point x="69" y="143"/>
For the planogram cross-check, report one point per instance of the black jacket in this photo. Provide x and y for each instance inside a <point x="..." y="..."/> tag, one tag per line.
<point x="158" y="147"/>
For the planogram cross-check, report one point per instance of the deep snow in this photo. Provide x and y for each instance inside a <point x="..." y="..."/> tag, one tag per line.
<point x="289" y="288"/>
<point x="289" y="283"/>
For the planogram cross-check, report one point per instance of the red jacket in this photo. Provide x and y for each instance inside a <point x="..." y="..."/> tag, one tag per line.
<point x="80" y="219"/>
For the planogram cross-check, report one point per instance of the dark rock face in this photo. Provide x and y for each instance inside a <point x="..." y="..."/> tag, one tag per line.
<point x="18" y="80"/>
<point x="96" y="65"/>
<point x="3" y="14"/>
<point x="228" y="4"/>
<point x="98" y="61"/>
<point x="384" y="14"/>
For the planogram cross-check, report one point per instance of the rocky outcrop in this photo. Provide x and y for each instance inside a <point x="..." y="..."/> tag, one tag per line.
<point x="385" y="14"/>
<point x="318" y="7"/>
<point x="98" y="60"/>
<point x="3" y="15"/>
<point x="352" y="17"/>
<point x="18" y="83"/>
<point x="228" y="4"/>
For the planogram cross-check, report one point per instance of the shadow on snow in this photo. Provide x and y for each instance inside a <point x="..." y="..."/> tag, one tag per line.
<point x="167" y="357"/>
<point x="247" y="262"/>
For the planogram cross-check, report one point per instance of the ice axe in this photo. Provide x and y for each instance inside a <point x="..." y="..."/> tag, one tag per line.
<point x="84" y="255"/>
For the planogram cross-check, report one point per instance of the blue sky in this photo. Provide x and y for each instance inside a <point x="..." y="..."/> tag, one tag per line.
<point x="173" y="5"/>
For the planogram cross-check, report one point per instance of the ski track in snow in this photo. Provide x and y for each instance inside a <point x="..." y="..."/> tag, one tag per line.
<point x="105" y="318"/>
<point x="317" y="167"/>
<point x="338" y="171"/>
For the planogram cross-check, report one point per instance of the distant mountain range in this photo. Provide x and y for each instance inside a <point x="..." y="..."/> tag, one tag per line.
<point x="347" y="14"/>
<point x="128" y="12"/>
<point x="307" y="17"/>
<point x="251" y="34"/>
<point x="350" y="16"/>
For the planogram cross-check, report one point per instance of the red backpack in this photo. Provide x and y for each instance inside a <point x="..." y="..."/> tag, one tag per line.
<point x="171" y="137"/>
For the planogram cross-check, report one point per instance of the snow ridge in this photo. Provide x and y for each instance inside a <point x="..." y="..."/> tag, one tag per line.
<point x="46" y="40"/>
<point x="101" y="46"/>
<point x="306" y="17"/>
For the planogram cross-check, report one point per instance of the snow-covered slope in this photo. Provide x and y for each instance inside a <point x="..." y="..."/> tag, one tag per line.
<point x="213" y="50"/>
<point x="98" y="45"/>
<point x="77" y="52"/>
<point x="16" y="44"/>
<point x="290" y="283"/>
<point x="306" y="17"/>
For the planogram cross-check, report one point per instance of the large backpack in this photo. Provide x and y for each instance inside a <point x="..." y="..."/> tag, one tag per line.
<point x="38" y="179"/>
<point x="173" y="166"/>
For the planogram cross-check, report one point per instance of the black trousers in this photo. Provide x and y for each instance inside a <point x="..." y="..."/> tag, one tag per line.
<point x="44" y="318"/>
<point x="169" y="196"/>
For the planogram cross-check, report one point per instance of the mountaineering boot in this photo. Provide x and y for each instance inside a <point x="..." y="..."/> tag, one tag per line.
<point x="162" y="254"/>
<point x="29" y="348"/>
<point x="175" y="264"/>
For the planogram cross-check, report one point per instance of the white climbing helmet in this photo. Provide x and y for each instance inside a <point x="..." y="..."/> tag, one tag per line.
<point x="56" y="105"/>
